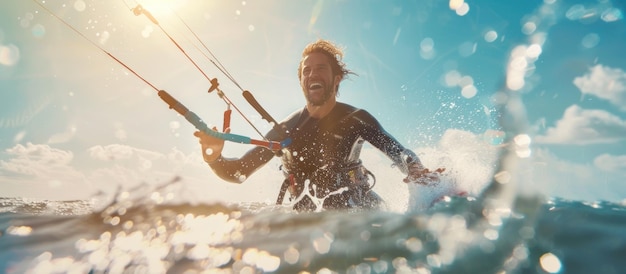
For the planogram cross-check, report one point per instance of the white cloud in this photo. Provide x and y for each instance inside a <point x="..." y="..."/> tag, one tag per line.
<point x="40" y="171"/>
<point x="582" y="127"/>
<point x="121" y="152"/>
<point x="554" y="177"/>
<point x="611" y="163"/>
<point x="606" y="83"/>
<point x="37" y="160"/>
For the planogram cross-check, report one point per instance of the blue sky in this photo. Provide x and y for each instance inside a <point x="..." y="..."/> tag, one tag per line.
<point x="74" y="122"/>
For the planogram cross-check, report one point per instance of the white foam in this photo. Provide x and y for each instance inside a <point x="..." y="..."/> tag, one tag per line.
<point x="469" y="161"/>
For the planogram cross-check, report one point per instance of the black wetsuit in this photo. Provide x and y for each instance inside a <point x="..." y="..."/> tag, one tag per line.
<point x="325" y="152"/>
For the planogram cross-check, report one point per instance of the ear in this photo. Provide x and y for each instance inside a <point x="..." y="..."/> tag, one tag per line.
<point x="337" y="81"/>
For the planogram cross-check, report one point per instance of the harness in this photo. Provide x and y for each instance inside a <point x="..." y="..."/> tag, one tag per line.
<point x="355" y="177"/>
<point x="348" y="173"/>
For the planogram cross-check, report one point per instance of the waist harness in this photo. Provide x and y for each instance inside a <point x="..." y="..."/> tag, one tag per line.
<point x="355" y="177"/>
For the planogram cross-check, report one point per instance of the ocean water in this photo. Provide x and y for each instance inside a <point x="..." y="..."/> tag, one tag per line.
<point x="495" y="227"/>
<point x="453" y="236"/>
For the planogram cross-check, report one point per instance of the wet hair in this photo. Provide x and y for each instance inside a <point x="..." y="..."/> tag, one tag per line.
<point x="334" y="54"/>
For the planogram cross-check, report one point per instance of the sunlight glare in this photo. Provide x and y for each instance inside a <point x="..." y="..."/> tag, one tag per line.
<point x="463" y="9"/>
<point x="9" y="55"/>
<point x="455" y="4"/>
<point x="459" y="6"/>
<point x="19" y="230"/>
<point x="522" y="144"/>
<point x="550" y="263"/>
<point x="291" y="255"/>
<point x="160" y="7"/>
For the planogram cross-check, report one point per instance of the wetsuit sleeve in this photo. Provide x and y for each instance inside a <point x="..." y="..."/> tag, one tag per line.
<point x="375" y="134"/>
<point x="238" y="170"/>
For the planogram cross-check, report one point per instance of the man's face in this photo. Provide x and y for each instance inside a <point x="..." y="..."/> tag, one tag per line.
<point x="316" y="79"/>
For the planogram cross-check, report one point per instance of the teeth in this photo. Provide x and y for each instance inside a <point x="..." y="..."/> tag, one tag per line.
<point x="315" y="85"/>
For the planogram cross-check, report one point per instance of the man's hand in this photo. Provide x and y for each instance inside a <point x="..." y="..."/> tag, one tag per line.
<point x="211" y="146"/>
<point x="421" y="175"/>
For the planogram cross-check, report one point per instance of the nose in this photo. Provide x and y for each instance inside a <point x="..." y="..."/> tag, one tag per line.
<point x="310" y="72"/>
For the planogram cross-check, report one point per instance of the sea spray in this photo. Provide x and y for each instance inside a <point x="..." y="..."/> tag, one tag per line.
<point x="469" y="162"/>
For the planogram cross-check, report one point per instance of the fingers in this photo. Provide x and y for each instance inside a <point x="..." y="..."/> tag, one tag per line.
<point x="421" y="175"/>
<point x="420" y="180"/>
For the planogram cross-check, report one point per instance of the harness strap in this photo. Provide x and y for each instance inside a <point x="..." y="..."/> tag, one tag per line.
<point x="290" y="181"/>
<point x="281" y="193"/>
<point x="369" y="173"/>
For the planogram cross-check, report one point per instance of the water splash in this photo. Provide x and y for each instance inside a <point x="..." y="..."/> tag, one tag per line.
<point x="317" y="201"/>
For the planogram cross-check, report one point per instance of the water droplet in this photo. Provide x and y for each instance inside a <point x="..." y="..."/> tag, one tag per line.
<point x="80" y="5"/>
<point x="38" y="30"/>
<point x="612" y="15"/>
<point x="469" y="91"/>
<point x="24" y="23"/>
<point x="104" y="37"/>
<point x="467" y="49"/>
<point x="575" y="12"/>
<point x="114" y="221"/>
<point x="427" y="44"/>
<point x="463" y="9"/>
<point x="174" y="125"/>
<point x="322" y="243"/>
<point x="19" y="230"/>
<point x="291" y="255"/>
<point x="147" y="31"/>
<point x="590" y="40"/>
<point x="491" y="36"/>
<point x="452" y="78"/>
<point x="414" y="244"/>
<point x="491" y="234"/>
<point x="9" y="55"/>
<point x="550" y="263"/>
<point x="529" y="28"/>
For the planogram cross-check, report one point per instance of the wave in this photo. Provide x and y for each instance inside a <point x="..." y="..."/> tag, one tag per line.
<point x="554" y="236"/>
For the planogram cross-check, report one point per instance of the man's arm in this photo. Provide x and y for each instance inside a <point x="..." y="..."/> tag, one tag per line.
<point x="238" y="170"/>
<point x="231" y="170"/>
<point x="406" y="160"/>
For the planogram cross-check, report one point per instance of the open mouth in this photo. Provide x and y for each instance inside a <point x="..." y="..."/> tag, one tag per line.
<point x="315" y="85"/>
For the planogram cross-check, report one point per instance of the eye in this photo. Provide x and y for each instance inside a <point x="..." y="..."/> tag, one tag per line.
<point x="306" y="71"/>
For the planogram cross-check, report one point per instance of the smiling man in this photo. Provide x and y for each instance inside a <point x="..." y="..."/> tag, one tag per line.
<point x="322" y="163"/>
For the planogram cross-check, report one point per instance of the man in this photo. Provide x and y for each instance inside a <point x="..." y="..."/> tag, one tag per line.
<point x="321" y="164"/>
